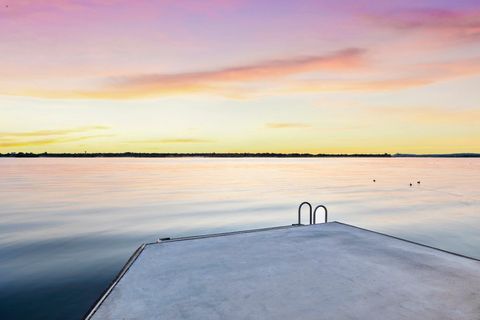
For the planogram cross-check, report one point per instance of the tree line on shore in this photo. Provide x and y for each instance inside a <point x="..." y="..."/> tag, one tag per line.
<point x="181" y="155"/>
<point x="228" y="155"/>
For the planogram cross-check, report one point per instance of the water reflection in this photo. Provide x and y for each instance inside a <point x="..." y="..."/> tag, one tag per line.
<point x="68" y="225"/>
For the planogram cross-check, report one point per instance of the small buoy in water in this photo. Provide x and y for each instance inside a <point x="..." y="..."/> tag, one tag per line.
<point x="418" y="182"/>
<point x="374" y="180"/>
<point x="411" y="184"/>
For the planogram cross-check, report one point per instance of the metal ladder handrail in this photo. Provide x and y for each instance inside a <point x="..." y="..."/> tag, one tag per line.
<point x="300" y="212"/>
<point x="315" y="213"/>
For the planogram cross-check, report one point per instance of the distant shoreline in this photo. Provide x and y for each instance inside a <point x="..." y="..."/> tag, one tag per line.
<point x="232" y="155"/>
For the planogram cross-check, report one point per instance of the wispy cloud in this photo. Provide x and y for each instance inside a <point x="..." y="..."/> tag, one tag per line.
<point x="48" y="137"/>
<point x="175" y="140"/>
<point x="452" y="24"/>
<point x="4" y="143"/>
<point x="428" y="115"/>
<point x="55" y="132"/>
<point x="404" y="77"/>
<point x="222" y="81"/>
<point x="278" y="77"/>
<point x="287" y="125"/>
<point x="32" y="6"/>
<point x="339" y="60"/>
<point x="36" y="8"/>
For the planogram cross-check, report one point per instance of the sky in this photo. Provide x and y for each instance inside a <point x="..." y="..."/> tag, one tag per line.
<point x="321" y="76"/>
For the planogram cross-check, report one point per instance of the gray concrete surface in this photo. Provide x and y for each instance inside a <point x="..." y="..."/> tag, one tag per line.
<point x="325" y="271"/>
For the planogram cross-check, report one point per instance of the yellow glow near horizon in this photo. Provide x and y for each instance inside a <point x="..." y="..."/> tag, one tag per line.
<point x="228" y="77"/>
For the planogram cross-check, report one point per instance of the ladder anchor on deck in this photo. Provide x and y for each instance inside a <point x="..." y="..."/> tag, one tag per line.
<point x="315" y="213"/>
<point x="312" y="213"/>
<point x="300" y="211"/>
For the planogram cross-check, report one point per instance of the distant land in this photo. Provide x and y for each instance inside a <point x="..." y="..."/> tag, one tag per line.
<point x="445" y="155"/>
<point x="231" y="155"/>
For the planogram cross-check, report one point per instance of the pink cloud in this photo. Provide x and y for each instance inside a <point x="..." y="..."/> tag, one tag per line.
<point x="17" y="8"/>
<point x="277" y="77"/>
<point x="230" y="81"/>
<point x="451" y="24"/>
<point x="340" y="60"/>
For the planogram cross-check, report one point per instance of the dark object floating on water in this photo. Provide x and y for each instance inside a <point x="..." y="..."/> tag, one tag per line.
<point x="411" y="184"/>
<point x="374" y="180"/>
<point x="418" y="182"/>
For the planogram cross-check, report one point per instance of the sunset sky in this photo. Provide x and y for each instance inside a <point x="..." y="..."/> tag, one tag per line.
<point x="319" y="76"/>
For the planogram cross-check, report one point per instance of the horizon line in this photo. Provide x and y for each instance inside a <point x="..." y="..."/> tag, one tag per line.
<point x="128" y="154"/>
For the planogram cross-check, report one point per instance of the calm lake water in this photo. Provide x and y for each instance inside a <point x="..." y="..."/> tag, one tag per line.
<point x="67" y="226"/>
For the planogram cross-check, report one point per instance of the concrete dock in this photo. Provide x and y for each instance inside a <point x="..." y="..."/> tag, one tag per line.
<point x="323" y="271"/>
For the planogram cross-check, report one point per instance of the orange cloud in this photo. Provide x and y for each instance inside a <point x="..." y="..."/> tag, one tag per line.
<point x="219" y="81"/>
<point x="340" y="60"/>
<point x="215" y="80"/>
<point x="240" y="82"/>
<point x="277" y="77"/>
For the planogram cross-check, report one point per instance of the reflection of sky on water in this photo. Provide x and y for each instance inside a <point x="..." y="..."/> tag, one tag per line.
<point x="68" y="225"/>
